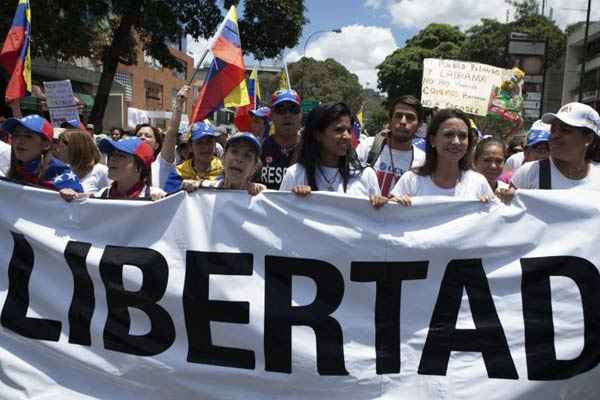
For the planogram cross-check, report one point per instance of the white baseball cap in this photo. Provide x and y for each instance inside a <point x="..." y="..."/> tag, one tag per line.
<point x="576" y="114"/>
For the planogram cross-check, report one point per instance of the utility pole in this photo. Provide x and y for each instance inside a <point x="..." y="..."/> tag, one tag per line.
<point x="585" y="42"/>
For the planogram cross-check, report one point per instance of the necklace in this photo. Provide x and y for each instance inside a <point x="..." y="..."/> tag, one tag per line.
<point x="412" y="157"/>
<point x="331" y="181"/>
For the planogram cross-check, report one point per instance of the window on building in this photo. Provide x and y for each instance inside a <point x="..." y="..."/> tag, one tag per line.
<point x="124" y="79"/>
<point x="154" y="95"/>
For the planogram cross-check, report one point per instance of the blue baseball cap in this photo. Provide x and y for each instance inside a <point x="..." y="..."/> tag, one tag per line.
<point x="285" y="95"/>
<point x="539" y="132"/>
<point x="246" y="137"/>
<point x="129" y="145"/>
<point x="201" y="130"/>
<point x="261" y="112"/>
<point x="34" y="123"/>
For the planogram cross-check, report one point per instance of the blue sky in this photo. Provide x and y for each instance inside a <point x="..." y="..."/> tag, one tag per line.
<point x="373" y="29"/>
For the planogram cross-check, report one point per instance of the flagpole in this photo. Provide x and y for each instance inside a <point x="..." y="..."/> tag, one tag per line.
<point x="287" y="74"/>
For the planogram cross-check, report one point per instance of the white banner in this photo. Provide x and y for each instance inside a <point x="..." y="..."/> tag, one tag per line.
<point x="459" y="84"/>
<point x="218" y="295"/>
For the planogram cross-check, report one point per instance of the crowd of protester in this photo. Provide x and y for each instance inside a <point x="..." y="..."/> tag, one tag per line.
<point x="410" y="157"/>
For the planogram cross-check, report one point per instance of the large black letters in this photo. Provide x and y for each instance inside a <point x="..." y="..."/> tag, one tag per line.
<point x="17" y="300"/>
<point x="82" y="304"/>
<point x="280" y="315"/>
<point x="488" y="336"/>
<point x="199" y="310"/>
<point x="542" y="364"/>
<point x="155" y="276"/>
<point x="389" y="277"/>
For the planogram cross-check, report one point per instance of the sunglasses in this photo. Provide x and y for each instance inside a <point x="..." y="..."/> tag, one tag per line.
<point x="287" y="108"/>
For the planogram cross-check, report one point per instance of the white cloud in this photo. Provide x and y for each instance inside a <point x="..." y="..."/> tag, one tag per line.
<point x="464" y="13"/>
<point x="359" y="48"/>
<point x="196" y="49"/>
<point x="417" y="14"/>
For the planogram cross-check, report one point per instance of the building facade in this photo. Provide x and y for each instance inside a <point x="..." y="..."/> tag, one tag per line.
<point x="573" y="66"/>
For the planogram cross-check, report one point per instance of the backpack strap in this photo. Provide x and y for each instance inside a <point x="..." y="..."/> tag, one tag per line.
<point x="545" y="178"/>
<point x="376" y="149"/>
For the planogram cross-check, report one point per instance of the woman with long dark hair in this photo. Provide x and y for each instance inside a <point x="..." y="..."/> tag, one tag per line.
<point x="446" y="172"/>
<point x="326" y="160"/>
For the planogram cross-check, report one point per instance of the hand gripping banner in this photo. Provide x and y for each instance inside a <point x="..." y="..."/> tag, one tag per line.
<point x="218" y="295"/>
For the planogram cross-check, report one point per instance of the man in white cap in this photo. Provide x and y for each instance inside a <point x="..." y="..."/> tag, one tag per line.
<point x="573" y="130"/>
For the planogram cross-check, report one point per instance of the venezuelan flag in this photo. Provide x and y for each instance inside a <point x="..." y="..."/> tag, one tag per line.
<point x="225" y="83"/>
<point x="242" y="118"/>
<point x="15" y="58"/>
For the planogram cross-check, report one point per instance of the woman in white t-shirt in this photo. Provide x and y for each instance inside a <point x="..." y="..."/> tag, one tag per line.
<point x="488" y="160"/>
<point x="450" y="140"/>
<point x="326" y="159"/>
<point x="84" y="158"/>
<point x="573" y="134"/>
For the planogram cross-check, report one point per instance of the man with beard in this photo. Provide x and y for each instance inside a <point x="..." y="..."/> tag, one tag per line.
<point x="391" y="152"/>
<point x="278" y="149"/>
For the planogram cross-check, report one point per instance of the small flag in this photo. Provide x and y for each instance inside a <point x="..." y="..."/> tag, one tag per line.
<point x="15" y="58"/>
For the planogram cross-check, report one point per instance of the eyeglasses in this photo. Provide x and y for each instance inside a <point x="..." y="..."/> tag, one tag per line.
<point x="287" y="108"/>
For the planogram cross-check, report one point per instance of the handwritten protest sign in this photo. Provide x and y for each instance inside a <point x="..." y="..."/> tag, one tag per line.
<point x="61" y="102"/>
<point x="458" y="84"/>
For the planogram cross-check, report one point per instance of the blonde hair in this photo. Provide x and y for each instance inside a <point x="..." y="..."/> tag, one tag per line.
<point x="82" y="153"/>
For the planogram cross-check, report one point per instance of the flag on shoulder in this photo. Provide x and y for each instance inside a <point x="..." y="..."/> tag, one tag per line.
<point x="225" y="83"/>
<point x="15" y="59"/>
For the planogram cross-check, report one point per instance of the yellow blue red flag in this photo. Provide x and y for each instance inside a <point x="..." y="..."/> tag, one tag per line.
<point x="225" y="83"/>
<point x="15" y="59"/>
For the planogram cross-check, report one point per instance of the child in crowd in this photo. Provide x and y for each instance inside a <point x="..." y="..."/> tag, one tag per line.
<point x="129" y="163"/>
<point x="240" y="163"/>
<point x="204" y="165"/>
<point x="31" y="161"/>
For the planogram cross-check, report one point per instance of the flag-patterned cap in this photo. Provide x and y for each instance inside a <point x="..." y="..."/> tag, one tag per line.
<point x="201" y="130"/>
<point x="261" y="112"/>
<point x="130" y="145"/>
<point x="245" y="137"/>
<point x="285" y="95"/>
<point x="34" y="123"/>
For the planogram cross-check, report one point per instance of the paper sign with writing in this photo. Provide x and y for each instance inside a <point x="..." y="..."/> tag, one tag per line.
<point x="457" y="84"/>
<point x="61" y="102"/>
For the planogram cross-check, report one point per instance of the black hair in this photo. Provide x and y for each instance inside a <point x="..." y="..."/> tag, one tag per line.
<point x="485" y="143"/>
<point x="309" y="151"/>
<point x="408" y="100"/>
<point x="430" y="153"/>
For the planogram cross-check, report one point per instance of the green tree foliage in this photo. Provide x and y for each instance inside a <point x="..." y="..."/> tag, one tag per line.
<point x="401" y="72"/>
<point x="108" y="30"/>
<point x="375" y="113"/>
<point x="326" y="81"/>
<point x="487" y="42"/>
<point x="524" y="8"/>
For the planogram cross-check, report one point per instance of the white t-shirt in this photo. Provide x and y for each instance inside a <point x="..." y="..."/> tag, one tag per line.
<point x="527" y="177"/>
<point x="4" y="158"/>
<point x="96" y="179"/>
<point x="160" y="171"/>
<point x="472" y="185"/>
<point x="389" y="169"/>
<point x="363" y="184"/>
<point x="514" y="162"/>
